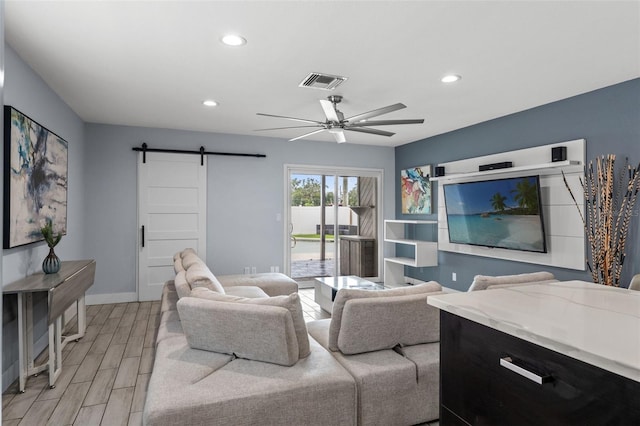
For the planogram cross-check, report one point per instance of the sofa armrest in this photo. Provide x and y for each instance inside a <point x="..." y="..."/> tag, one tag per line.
<point x="481" y="282"/>
<point x="274" y="284"/>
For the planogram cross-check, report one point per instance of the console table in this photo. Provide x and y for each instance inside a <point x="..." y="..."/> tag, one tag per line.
<point x="64" y="288"/>
<point x="558" y="353"/>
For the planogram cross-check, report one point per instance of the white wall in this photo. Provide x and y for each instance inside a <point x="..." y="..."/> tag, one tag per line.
<point x="245" y="196"/>
<point x="305" y="218"/>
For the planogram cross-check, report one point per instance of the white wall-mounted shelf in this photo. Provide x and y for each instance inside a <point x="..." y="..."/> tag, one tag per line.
<point x="563" y="228"/>
<point x="425" y="252"/>
<point x="568" y="166"/>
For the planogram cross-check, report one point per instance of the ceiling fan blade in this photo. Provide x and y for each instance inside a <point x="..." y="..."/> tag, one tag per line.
<point x="290" y="127"/>
<point x="329" y="111"/>
<point x="290" y="118"/>
<point x="338" y="135"/>
<point x="307" y="134"/>
<point x="376" y="112"/>
<point x="370" y="131"/>
<point x="385" y="122"/>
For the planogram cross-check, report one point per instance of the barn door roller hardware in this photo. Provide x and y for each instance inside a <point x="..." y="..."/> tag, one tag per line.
<point x="201" y="152"/>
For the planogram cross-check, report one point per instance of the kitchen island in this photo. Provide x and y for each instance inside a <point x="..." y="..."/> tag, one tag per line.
<point x="557" y="353"/>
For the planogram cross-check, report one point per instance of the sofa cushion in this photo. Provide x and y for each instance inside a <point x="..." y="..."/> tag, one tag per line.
<point x="344" y="295"/>
<point x="258" y="332"/>
<point x="169" y="326"/>
<point x="290" y="302"/>
<point x="194" y="387"/>
<point x="273" y="283"/>
<point x="482" y="282"/>
<point x="375" y="323"/>
<point x="190" y="259"/>
<point x="393" y="388"/>
<point x="199" y="275"/>
<point x="188" y="251"/>
<point x="177" y="262"/>
<point x="248" y="291"/>
<point x="169" y="297"/>
<point x="182" y="286"/>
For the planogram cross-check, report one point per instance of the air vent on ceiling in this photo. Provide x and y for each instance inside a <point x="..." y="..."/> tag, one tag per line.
<point x="316" y="80"/>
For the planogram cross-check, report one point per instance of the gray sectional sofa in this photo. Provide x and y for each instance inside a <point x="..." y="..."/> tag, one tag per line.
<point x="236" y="351"/>
<point x="389" y="342"/>
<point x="234" y="362"/>
<point x="488" y="282"/>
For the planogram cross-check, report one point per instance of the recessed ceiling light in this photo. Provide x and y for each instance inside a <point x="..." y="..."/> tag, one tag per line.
<point x="209" y="103"/>
<point x="450" y="78"/>
<point x="233" y="40"/>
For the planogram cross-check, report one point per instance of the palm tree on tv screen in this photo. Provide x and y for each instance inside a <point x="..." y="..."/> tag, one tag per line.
<point x="527" y="196"/>
<point x="497" y="201"/>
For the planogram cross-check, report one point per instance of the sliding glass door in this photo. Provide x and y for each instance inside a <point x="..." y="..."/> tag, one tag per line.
<point x="323" y="206"/>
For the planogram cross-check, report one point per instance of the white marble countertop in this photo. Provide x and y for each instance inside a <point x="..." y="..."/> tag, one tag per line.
<point x="596" y="324"/>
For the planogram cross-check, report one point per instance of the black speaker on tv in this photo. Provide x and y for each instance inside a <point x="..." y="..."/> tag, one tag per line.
<point x="439" y="171"/>
<point x="558" y="153"/>
<point x="494" y="166"/>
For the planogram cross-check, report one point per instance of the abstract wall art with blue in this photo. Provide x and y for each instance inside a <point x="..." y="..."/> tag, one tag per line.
<point x="35" y="179"/>
<point x="416" y="190"/>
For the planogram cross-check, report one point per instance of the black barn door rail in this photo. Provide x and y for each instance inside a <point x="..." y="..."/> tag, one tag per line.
<point x="201" y="152"/>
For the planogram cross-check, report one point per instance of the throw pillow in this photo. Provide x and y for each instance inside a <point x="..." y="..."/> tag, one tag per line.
<point x="177" y="265"/>
<point x="199" y="275"/>
<point x="290" y="302"/>
<point x="190" y="259"/>
<point x="182" y="286"/>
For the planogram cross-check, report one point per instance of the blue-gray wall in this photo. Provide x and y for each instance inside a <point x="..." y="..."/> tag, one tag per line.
<point x="27" y="92"/>
<point x="608" y="118"/>
<point x="244" y="195"/>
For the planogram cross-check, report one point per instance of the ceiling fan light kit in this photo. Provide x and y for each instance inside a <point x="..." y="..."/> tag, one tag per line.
<point x="336" y="124"/>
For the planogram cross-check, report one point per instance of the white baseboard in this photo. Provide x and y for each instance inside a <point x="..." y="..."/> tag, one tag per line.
<point x="103" y="299"/>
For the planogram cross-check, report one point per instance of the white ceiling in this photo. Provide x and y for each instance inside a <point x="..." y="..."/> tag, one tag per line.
<point x="152" y="63"/>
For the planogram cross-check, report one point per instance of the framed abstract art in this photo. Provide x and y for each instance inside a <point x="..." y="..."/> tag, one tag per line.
<point x="416" y="190"/>
<point x="35" y="179"/>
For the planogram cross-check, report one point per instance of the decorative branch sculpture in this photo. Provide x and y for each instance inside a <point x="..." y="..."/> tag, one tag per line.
<point x="609" y="206"/>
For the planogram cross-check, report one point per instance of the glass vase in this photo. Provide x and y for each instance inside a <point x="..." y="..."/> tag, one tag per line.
<point x="51" y="263"/>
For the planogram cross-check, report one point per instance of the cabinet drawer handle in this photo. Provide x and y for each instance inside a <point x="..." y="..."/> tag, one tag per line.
<point x="507" y="363"/>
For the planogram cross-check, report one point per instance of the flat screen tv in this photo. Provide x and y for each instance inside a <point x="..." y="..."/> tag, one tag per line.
<point x="503" y="213"/>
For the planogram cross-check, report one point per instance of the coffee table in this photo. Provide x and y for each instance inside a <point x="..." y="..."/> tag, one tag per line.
<point x="326" y="288"/>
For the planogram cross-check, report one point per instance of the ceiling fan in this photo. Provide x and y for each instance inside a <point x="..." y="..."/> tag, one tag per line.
<point x="336" y="124"/>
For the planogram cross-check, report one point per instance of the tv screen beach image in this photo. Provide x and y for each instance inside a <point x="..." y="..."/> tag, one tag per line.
<point x="502" y="213"/>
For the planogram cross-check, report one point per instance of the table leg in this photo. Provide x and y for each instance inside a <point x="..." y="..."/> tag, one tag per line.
<point x="82" y="316"/>
<point x="21" y="342"/>
<point x="55" y="351"/>
<point x="52" y="353"/>
<point x="29" y="330"/>
<point x="58" y="343"/>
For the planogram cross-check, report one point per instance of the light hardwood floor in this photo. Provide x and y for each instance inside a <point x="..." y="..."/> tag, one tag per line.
<point x="105" y="375"/>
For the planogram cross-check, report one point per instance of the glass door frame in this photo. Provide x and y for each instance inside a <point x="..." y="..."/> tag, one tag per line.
<point x="337" y="172"/>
